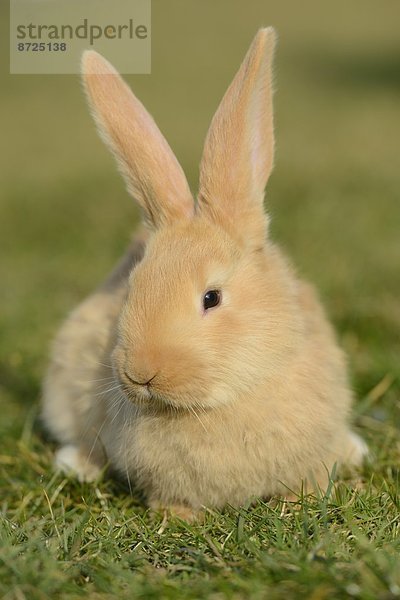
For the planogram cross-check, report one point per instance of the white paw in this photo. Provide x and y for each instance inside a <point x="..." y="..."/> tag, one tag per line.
<point x="358" y="449"/>
<point x="70" y="460"/>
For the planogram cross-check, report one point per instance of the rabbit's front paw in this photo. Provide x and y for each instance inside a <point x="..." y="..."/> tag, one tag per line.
<point x="71" y="460"/>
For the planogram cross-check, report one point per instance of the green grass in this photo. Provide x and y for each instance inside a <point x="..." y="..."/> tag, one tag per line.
<point x="334" y="199"/>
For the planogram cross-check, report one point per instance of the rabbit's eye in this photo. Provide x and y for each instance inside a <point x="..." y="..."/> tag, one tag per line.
<point x="211" y="298"/>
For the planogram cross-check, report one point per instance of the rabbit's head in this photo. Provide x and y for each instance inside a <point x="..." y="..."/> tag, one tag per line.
<point x="211" y="310"/>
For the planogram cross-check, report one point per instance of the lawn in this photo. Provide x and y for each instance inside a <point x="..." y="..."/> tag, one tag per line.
<point x="334" y="199"/>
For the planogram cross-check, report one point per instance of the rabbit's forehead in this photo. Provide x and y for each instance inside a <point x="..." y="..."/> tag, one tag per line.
<point x="199" y="249"/>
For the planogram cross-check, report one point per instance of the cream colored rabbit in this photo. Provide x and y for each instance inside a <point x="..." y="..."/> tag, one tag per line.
<point x="203" y="370"/>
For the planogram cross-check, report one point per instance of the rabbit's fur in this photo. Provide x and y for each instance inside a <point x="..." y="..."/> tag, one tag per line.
<point x="200" y="407"/>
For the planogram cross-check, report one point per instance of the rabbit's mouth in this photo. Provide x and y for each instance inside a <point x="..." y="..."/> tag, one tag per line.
<point x="143" y="393"/>
<point x="133" y="388"/>
<point x="152" y="398"/>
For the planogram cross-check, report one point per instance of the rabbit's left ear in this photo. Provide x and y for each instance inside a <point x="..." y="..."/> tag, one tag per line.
<point x="152" y="173"/>
<point x="239" y="148"/>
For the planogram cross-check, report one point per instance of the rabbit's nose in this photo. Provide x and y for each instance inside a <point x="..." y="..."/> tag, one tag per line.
<point x="139" y="380"/>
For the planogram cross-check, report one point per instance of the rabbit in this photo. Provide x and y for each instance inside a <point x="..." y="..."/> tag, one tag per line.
<point x="203" y="371"/>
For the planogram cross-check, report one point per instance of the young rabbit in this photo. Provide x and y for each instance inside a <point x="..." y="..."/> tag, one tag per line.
<point x="203" y="369"/>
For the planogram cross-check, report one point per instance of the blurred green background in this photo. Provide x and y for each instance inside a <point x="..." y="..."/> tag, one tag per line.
<point x="334" y="196"/>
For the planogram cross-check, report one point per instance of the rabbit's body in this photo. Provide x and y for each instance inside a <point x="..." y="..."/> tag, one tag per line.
<point x="198" y="403"/>
<point x="74" y="402"/>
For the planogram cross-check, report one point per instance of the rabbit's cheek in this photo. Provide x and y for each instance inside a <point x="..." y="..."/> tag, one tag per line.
<point x="117" y="358"/>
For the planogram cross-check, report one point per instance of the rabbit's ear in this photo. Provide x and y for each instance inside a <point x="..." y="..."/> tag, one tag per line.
<point x="151" y="171"/>
<point x="238" y="152"/>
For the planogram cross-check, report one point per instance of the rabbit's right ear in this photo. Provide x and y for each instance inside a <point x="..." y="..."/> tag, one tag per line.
<point x="239" y="148"/>
<point x="152" y="173"/>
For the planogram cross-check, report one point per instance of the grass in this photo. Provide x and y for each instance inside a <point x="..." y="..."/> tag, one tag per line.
<point x="65" y="218"/>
